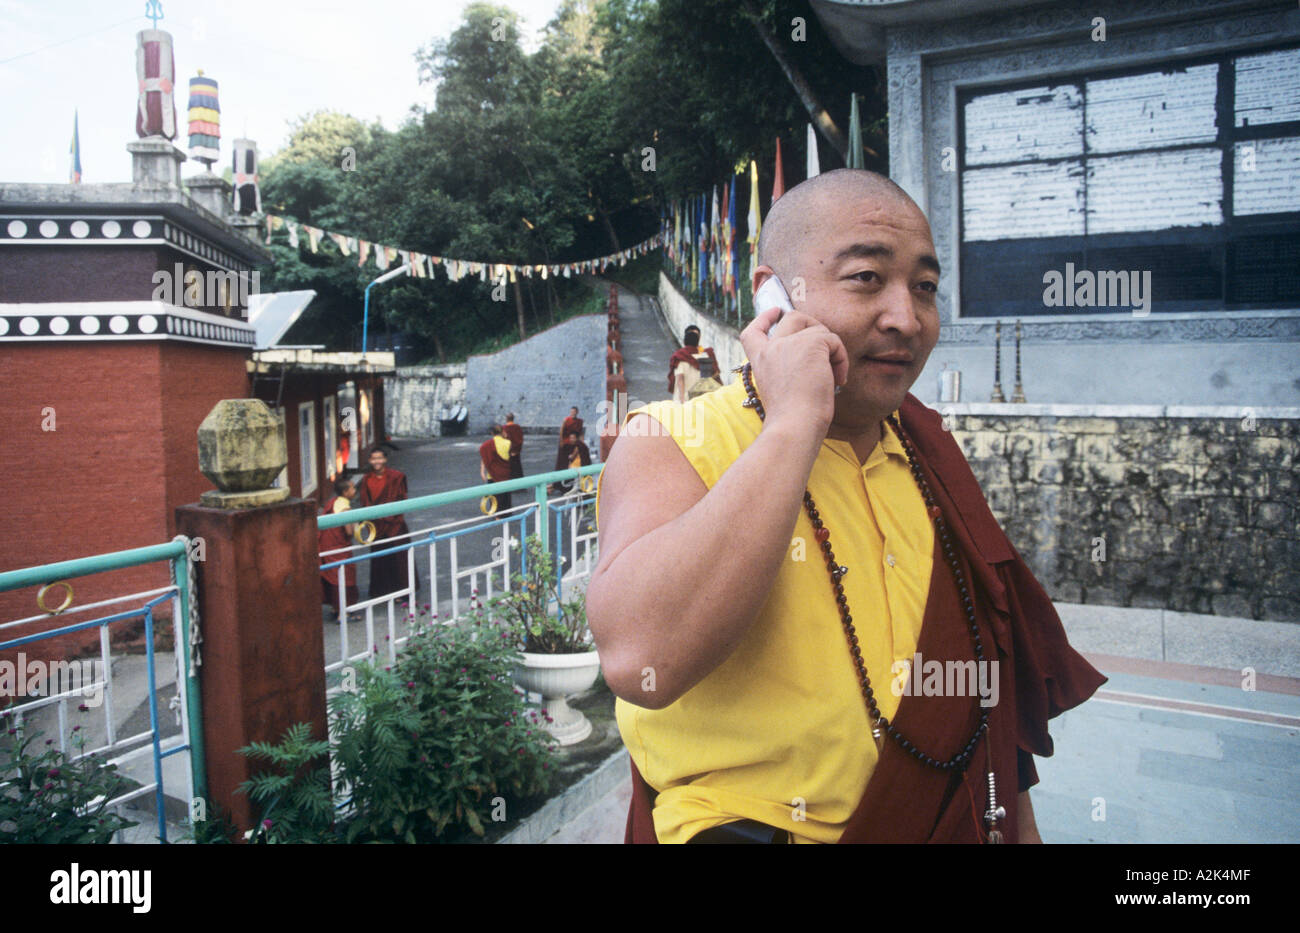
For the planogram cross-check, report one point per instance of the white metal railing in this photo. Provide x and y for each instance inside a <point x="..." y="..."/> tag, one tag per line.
<point x="455" y="571"/>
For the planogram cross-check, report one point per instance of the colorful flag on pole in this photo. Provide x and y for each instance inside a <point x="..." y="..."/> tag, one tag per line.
<point x="731" y="240"/>
<point x="704" y="241"/>
<point x="814" y="168"/>
<point x="855" y="135"/>
<point x="778" y="182"/>
<point x="724" y="244"/>
<point x="755" y="221"/>
<point x="74" y="171"/>
<point x="716" y="242"/>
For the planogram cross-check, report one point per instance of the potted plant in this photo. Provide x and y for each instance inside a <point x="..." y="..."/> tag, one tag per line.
<point x="559" y="658"/>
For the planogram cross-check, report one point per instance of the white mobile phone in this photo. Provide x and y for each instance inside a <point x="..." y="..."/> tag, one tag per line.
<point x="772" y="294"/>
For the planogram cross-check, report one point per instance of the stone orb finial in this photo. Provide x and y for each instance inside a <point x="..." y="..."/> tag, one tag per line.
<point x="242" y="450"/>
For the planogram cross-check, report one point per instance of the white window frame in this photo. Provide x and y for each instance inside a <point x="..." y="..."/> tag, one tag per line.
<point x="307" y="472"/>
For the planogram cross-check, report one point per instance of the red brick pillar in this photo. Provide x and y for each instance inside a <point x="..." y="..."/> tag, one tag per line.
<point x="263" y="653"/>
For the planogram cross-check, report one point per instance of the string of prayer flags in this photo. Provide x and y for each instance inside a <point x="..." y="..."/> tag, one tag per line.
<point x="423" y="265"/>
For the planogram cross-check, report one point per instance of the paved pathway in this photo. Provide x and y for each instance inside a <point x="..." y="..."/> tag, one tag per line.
<point x="646" y="349"/>
<point x="1131" y="767"/>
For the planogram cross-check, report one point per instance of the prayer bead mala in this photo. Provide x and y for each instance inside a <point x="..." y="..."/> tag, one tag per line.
<point x="880" y="722"/>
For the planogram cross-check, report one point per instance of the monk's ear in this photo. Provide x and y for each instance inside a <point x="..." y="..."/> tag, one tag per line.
<point x="761" y="275"/>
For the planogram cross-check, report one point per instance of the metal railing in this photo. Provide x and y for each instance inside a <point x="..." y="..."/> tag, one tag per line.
<point x="109" y="744"/>
<point x="451" y="554"/>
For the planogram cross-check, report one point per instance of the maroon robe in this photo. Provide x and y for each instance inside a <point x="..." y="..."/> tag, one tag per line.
<point x="1040" y="676"/>
<point x="515" y="435"/>
<point x="498" y="470"/>
<point x="328" y="540"/>
<point x="687" y="355"/>
<point x="571" y="426"/>
<point x="564" y="457"/>
<point x="387" y="572"/>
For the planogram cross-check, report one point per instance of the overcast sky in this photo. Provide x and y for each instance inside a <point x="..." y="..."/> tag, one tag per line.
<point x="273" y="59"/>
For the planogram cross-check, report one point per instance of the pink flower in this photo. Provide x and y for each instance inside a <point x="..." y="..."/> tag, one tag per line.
<point x="266" y="824"/>
<point x="54" y="772"/>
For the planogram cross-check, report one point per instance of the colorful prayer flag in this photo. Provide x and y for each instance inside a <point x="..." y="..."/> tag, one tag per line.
<point x="74" y="170"/>
<point x="778" y="182"/>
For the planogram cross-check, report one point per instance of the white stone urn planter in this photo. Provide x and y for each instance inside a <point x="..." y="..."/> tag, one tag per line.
<point x="556" y="676"/>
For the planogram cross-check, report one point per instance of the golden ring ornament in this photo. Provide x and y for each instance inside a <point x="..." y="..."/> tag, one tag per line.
<point x="362" y="528"/>
<point x="587" y="484"/>
<point x="67" y="601"/>
<point x="488" y="505"/>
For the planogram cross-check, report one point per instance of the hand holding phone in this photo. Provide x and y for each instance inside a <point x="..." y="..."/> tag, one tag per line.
<point x="772" y="294"/>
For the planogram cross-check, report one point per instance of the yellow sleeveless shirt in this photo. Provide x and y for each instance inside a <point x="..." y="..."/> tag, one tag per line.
<point x="779" y="732"/>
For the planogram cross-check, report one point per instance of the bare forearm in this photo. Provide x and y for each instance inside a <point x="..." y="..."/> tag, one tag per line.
<point x="679" y="599"/>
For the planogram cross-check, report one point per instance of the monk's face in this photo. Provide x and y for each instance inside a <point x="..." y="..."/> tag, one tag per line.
<point x="378" y="461"/>
<point x="870" y="277"/>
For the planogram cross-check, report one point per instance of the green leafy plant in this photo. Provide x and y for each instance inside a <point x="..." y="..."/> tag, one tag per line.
<point x="295" y="800"/>
<point x="435" y="747"/>
<point x="47" y="797"/>
<point x="430" y="749"/>
<point x="217" y="829"/>
<point x="533" y="612"/>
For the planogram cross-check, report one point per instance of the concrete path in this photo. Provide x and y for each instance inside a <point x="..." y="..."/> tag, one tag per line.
<point x="1152" y="758"/>
<point x="646" y="348"/>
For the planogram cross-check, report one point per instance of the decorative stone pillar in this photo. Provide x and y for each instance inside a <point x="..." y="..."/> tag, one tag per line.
<point x="155" y="163"/>
<point x="212" y="192"/>
<point x="259" y="598"/>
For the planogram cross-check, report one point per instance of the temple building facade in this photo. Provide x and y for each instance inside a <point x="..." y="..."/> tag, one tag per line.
<point x="1122" y="177"/>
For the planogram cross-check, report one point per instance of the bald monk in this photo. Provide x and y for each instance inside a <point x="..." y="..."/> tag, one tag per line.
<point x="773" y="563"/>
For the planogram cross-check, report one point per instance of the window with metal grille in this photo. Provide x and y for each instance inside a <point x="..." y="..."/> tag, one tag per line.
<point x="1188" y="173"/>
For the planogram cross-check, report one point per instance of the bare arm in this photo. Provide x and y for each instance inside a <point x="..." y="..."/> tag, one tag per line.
<point x="677" y="584"/>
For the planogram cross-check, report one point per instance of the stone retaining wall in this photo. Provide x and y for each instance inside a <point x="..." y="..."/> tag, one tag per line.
<point x="540" y="378"/>
<point x="418" y="394"/>
<point x="1174" y="508"/>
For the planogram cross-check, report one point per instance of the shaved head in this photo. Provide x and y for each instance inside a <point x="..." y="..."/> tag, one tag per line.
<point x="798" y="215"/>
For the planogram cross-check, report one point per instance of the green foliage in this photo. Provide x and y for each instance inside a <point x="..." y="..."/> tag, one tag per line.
<point x="217" y="829"/>
<point x="533" y="613"/>
<point x="48" y="798"/>
<point x="640" y="275"/>
<point x="295" y="801"/>
<point x="431" y="747"/>
<point x="426" y="750"/>
<point x="321" y="137"/>
<point x="538" y="157"/>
